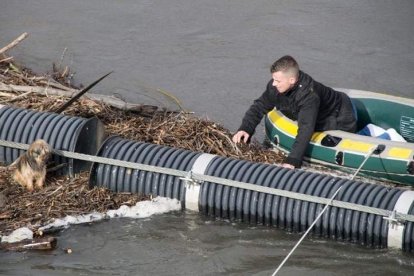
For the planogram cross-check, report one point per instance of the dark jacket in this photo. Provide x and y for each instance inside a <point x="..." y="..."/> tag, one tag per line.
<point x="310" y="103"/>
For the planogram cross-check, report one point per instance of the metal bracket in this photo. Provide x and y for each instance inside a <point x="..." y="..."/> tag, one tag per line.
<point x="394" y="220"/>
<point x="189" y="180"/>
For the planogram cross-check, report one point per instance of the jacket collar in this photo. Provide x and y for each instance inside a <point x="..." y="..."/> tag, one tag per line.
<point x="297" y="85"/>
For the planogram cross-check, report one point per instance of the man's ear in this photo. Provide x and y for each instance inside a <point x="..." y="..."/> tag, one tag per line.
<point x="292" y="80"/>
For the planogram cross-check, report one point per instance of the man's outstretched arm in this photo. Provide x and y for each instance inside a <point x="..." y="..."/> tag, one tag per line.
<point x="255" y="114"/>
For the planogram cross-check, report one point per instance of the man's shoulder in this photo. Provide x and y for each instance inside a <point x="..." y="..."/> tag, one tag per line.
<point x="304" y="76"/>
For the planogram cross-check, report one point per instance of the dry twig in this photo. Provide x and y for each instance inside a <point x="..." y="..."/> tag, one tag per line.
<point x="13" y="43"/>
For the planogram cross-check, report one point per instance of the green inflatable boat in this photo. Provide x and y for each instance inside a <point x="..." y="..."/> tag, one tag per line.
<point x="344" y="150"/>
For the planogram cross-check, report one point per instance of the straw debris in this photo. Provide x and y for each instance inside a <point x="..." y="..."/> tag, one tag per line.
<point x="63" y="196"/>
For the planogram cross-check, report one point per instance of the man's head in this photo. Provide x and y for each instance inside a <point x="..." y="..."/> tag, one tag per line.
<point x="285" y="73"/>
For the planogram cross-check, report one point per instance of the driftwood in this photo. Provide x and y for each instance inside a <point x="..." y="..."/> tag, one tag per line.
<point x="13" y="44"/>
<point x="46" y="243"/>
<point x="48" y="91"/>
<point x="36" y="89"/>
<point x="6" y="59"/>
<point x="10" y="81"/>
<point x="50" y="230"/>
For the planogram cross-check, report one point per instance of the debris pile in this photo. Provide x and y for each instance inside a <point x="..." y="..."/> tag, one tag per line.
<point x="60" y="197"/>
<point x="64" y="196"/>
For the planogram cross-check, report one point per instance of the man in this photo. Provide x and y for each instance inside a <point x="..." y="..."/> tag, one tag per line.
<point x="314" y="106"/>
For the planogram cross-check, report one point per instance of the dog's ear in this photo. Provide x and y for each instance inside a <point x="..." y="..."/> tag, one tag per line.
<point x="48" y="148"/>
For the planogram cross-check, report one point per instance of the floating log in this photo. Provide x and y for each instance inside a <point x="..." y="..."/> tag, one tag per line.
<point x="51" y="230"/>
<point x="46" y="243"/>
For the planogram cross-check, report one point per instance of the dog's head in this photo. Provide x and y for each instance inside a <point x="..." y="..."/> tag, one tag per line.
<point x="40" y="151"/>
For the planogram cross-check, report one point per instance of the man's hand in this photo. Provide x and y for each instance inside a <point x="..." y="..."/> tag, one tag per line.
<point x="241" y="136"/>
<point x="288" y="166"/>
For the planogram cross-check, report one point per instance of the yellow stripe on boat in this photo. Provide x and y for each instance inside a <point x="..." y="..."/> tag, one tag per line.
<point x="283" y="123"/>
<point x="352" y="145"/>
<point x="317" y="137"/>
<point x="291" y="128"/>
<point x="399" y="153"/>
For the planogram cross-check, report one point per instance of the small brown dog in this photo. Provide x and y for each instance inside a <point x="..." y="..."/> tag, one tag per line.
<point x="30" y="168"/>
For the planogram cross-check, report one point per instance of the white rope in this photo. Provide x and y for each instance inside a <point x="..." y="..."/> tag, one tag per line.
<point x="322" y="212"/>
<point x="219" y="180"/>
<point x="304" y="235"/>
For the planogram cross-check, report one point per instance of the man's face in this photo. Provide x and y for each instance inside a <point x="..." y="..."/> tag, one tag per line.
<point x="283" y="81"/>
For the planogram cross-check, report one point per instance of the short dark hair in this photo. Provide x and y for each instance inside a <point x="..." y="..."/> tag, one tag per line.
<point x="285" y="64"/>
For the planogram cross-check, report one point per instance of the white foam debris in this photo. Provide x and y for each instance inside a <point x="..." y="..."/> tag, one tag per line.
<point x="142" y="209"/>
<point x="68" y="220"/>
<point x="18" y="235"/>
<point x="145" y="209"/>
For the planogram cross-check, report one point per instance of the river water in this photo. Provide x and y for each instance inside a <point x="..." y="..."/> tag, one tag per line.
<point x="214" y="57"/>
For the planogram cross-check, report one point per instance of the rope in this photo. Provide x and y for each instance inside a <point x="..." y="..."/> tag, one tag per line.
<point x="213" y="179"/>
<point x="374" y="149"/>
<point x="305" y="234"/>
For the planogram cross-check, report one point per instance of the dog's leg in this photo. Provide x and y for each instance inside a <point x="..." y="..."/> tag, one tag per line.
<point x="24" y="181"/>
<point x="29" y="184"/>
<point x="40" y="180"/>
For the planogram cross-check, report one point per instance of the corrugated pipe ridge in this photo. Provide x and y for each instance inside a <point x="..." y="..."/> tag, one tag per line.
<point x="238" y="204"/>
<point x="120" y="179"/>
<point x="61" y="132"/>
<point x="295" y="215"/>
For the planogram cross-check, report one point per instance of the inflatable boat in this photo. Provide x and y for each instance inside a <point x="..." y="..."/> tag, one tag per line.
<point x="344" y="150"/>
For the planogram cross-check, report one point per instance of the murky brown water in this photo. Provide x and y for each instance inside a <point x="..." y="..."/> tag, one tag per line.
<point x="213" y="56"/>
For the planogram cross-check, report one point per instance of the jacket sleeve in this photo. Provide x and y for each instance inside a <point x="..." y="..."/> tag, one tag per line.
<point x="308" y="113"/>
<point x="258" y="109"/>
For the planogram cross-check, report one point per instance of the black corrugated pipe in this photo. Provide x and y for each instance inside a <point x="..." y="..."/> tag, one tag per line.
<point x="120" y="179"/>
<point x="61" y="132"/>
<point x="238" y="204"/>
<point x="295" y="215"/>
